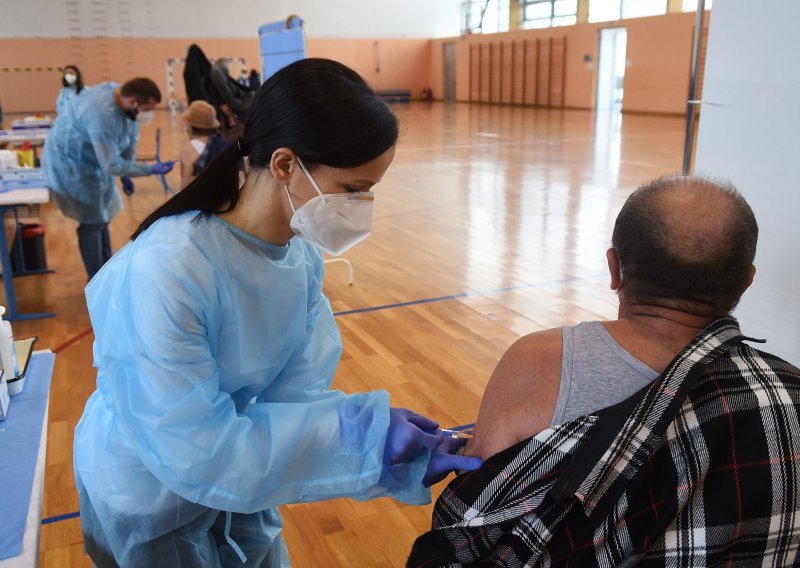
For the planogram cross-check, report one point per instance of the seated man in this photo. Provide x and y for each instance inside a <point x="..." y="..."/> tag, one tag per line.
<point x="660" y="437"/>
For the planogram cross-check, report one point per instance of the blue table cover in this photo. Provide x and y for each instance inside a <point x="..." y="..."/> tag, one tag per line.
<point x="22" y="179"/>
<point x="19" y="448"/>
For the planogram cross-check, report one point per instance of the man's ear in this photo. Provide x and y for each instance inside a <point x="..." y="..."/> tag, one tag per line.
<point x="614" y="268"/>
<point x="281" y="165"/>
<point x="751" y="274"/>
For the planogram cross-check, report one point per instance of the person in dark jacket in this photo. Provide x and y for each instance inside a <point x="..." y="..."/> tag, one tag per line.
<point x="255" y="80"/>
<point x="195" y="70"/>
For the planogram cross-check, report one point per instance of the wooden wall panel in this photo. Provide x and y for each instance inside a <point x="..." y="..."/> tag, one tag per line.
<point x="518" y="62"/>
<point x="543" y="70"/>
<point x="558" y="58"/>
<point x="508" y="72"/>
<point x="531" y="58"/>
<point x="486" y="78"/>
<point x="495" y="71"/>
<point x="474" y="73"/>
<point x="521" y="72"/>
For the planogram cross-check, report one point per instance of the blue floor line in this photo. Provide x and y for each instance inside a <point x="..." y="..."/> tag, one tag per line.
<point x="58" y="518"/>
<point x="401" y="304"/>
<point x="468" y="295"/>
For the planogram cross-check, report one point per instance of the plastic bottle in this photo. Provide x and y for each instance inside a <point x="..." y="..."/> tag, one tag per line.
<point x="25" y="155"/>
<point x="4" y="398"/>
<point x="8" y="355"/>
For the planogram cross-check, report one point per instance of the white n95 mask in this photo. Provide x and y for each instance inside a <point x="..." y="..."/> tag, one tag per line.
<point x="70" y="78"/>
<point x="145" y="116"/>
<point x="333" y="221"/>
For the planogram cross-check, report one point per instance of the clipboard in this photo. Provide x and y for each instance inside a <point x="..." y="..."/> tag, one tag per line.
<point x="24" y="349"/>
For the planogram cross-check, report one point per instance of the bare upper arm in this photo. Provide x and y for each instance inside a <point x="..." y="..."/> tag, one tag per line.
<point x="188" y="156"/>
<point x="521" y="395"/>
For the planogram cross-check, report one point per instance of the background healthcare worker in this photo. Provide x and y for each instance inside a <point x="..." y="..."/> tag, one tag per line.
<point x="94" y="140"/>
<point x="72" y="82"/>
<point x="216" y="347"/>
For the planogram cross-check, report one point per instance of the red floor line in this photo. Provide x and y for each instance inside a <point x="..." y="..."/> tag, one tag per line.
<point x="73" y="340"/>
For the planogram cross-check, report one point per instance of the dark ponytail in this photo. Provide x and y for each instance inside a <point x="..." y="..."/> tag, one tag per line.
<point x="322" y="110"/>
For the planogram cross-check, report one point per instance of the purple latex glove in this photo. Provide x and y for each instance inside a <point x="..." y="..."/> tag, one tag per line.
<point x="443" y="461"/>
<point x="162" y="168"/>
<point x="127" y="185"/>
<point x="406" y="438"/>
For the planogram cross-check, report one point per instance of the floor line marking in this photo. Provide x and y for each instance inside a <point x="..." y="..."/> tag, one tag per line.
<point x="73" y="340"/>
<point x="58" y="518"/>
<point x="477" y="293"/>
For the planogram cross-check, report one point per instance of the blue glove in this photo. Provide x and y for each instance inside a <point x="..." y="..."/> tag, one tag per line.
<point x="443" y="461"/>
<point x="406" y="438"/>
<point x="162" y="168"/>
<point x="127" y="186"/>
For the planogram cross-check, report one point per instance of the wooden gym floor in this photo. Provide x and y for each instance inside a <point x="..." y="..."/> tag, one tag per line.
<point x="492" y="223"/>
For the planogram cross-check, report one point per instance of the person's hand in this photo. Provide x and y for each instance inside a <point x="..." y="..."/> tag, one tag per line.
<point x="162" y="168"/>
<point x="230" y="116"/>
<point x="127" y="186"/>
<point x="444" y="460"/>
<point x="406" y="438"/>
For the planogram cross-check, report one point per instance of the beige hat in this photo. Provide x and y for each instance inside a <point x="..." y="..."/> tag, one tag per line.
<point x="200" y="114"/>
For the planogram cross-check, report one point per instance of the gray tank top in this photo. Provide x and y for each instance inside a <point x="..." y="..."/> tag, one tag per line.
<point x="596" y="372"/>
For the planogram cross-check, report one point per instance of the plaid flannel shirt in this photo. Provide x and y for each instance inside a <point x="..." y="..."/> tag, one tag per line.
<point x="700" y="468"/>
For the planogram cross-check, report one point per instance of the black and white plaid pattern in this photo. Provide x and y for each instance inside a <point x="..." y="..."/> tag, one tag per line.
<point x="700" y="468"/>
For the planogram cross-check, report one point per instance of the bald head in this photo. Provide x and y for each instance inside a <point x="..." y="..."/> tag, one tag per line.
<point x="688" y="239"/>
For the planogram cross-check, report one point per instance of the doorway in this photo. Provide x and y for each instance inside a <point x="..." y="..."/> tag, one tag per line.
<point x="449" y="63"/>
<point x="611" y="68"/>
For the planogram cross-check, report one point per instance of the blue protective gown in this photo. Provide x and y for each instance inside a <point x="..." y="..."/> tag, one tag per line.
<point x="215" y="352"/>
<point x="90" y="143"/>
<point x="65" y="95"/>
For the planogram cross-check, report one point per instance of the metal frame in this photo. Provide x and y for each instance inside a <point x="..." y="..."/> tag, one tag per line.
<point x="691" y="112"/>
<point x="12" y="312"/>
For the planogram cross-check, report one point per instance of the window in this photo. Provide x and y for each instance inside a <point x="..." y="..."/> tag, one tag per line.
<point x="604" y="10"/>
<point x="485" y="17"/>
<point x="495" y="19"/>
<point x="691" y="5"/>
<point x="642" y="8"/>
<point x="547" y="13"/>
<point x="608" y="10"/>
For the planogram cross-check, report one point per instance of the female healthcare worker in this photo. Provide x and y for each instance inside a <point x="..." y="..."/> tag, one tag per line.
<point x="216" y="347"/>
<point x="72" y="82"/>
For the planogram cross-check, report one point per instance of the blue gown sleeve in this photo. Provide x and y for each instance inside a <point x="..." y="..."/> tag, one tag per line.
<point x="61" y="101"/>
<point x="129" y="152"/>
<point x="164" y="384"/>
<point x="363" y="421"/>
<point x="113" y="160"/>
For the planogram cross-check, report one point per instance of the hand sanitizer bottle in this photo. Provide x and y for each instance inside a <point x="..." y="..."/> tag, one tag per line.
<point x="8" y="355"/>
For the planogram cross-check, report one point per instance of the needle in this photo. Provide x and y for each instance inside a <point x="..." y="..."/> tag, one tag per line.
<point x="456" y="434"/>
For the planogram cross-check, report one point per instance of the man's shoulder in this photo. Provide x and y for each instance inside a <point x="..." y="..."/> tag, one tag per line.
<point x="538" y="352"/>
<point x="747" y="363"/>
<point x="522" y="392"/>
<point x="538" y="342"/>
<point x="780" y="367"/>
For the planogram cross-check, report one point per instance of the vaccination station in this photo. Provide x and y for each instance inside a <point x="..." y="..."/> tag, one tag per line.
<point x="432" y="283"/>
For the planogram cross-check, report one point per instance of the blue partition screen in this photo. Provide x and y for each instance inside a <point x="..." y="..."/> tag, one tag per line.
<point x="281" y="43"/>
